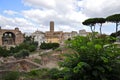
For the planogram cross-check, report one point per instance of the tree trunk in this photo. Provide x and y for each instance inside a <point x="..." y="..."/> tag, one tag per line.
<point x="92" y="32"/>
<point x="94" y="28"/>
<point x="100" y="29"/>
<point x="116" y="27"/>
<point x="91" y="29"/>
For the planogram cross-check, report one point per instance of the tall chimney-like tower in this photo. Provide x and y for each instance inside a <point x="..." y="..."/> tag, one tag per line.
<point x="51" y="26"/>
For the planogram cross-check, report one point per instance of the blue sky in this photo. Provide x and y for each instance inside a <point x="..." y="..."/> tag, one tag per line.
<point x="14" y="5"/>
<point x="7" y="4"/>
<point x="68" y="15"/>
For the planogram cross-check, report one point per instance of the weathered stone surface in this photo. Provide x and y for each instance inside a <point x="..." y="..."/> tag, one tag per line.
<point x="10" y="37"/>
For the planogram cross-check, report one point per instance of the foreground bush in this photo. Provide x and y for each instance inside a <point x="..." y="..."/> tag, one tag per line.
<point x="93" y="60"/>
<point x="11" y="76"/>
<point x="55" y="74"/>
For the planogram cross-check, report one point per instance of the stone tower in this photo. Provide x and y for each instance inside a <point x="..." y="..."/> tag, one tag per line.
<point x="51" y="26"/>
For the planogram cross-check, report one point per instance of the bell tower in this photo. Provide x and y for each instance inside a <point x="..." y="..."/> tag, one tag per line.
<point x="51" y="26"/>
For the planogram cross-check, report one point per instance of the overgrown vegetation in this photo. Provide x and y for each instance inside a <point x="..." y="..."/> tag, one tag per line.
<point x="44" y="74"/>
<point x="37" y="61"/>
<point x="93" y="60"/>
<point x="11" y="76"/>
<point x="4" y="52"/>
<point x="96" y="59"/>
<point x="49" y="45"/>
<point x="28" y="44"/>
<point x="22" y="54"/>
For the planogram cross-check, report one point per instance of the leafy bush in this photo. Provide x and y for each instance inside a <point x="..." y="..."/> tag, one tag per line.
<point x="33" y="73"/>
<point x="4" y="52"/>
<point x="28" y="44"/>
<point x="11" y="76"/>
<point x="38" y="74"/>
<point x="22" y="54"/>
<point x="31" y="48"/>
<point x="92" y="61"/>
<point x="55" y="73"/>
<point x="49" y="45"/>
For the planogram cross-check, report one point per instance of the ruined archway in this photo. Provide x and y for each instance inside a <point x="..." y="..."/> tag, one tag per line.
<point x="8" y="38"/>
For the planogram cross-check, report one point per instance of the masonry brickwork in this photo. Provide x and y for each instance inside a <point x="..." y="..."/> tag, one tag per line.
<point x="53" y="36"/>
<point x="10" y="37"/>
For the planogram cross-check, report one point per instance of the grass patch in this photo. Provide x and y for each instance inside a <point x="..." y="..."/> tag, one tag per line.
<point x="37" y="61"/>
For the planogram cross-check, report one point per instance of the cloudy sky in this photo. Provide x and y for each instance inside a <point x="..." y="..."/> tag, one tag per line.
<point x="68" y="15"/>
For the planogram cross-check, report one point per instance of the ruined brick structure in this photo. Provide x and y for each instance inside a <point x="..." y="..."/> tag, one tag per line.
<point x="10" y="37"/>
<point x="53" y="36"/>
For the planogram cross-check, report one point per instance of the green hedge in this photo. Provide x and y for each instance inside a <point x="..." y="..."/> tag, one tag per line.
<point x="49" y="45"/>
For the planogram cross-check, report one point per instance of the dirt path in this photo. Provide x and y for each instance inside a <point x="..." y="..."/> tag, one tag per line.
<point x="47" y="61"/>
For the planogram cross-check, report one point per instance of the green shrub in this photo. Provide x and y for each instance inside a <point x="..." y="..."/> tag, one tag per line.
<point x="49" y="45"/>
<point x="31" y="48"/>
<point x="33" y="73"/>
<point x="38" y="74"/>
<point x="55" y="73"/>
<point x="28" y="44"/>
<point x="92" y="61"/>
<point x="11" y="76"/>
<point x="22" y="54"/>
<point x="4" y="52"/>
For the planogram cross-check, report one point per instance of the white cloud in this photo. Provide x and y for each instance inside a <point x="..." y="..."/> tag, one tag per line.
<point x="40" y="3"/>
<point x="68" y="15"/>
<point x="65" y="28"/>
<point x="62" y="12"/>
<point x="10" y="12"/>
<point x="71" y="19"/>
<point x="11" y="23"/>
<point x="99" y="8"/>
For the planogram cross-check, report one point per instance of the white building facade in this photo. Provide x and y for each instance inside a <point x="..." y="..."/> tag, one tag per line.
<point x="39" y="37"/>
<point x="83" y="32"/>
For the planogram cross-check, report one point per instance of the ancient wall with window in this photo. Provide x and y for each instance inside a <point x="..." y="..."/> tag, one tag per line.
<point x="10" y="37"/>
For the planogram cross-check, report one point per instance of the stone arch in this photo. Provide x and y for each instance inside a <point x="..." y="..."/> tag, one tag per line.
<point x="8" y="38"/>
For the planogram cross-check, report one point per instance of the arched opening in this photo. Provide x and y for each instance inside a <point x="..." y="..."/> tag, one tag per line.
<point x="8" y="38"/>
